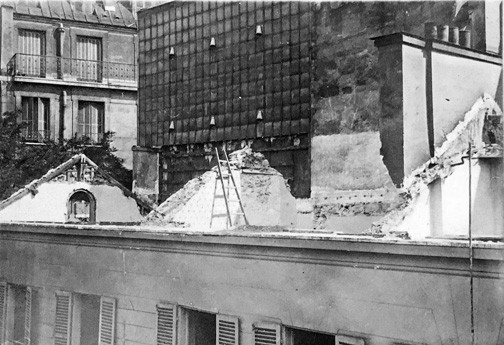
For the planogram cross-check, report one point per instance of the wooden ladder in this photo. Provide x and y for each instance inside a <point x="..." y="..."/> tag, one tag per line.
<point x="230" y="185"/>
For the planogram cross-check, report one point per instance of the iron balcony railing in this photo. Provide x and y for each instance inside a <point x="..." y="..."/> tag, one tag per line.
<point x="66" y="69"/>
<point x="32" y="135"/>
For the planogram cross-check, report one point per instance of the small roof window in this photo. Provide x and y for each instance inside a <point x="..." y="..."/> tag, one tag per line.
<point x="81" y="207"/>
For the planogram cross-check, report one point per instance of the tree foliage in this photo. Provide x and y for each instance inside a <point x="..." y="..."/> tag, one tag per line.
<point x="21" y="163"/>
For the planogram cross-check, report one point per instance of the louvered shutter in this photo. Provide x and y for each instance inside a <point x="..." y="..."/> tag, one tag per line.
<point x="166" y="324"/>
<point x="348" y="340"/>
<point x="227" y="330"/>
<point x="28" y="316"/>
<point x="107" y="321"/>
<point x="3" y="308"/>
<point x="63" y="318"/>
<point x="266" y="334"/>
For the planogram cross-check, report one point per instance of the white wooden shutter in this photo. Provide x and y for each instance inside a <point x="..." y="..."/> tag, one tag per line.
<point x="28" y="315"/>
<point x="266" y="334"/>
<point x="227" y="330"/>
<point x="166" y="324"/>
<point x="31" y="43"/>
<point x="3" y="308"/>
<point x="347" y="340"/>
<point x="107" y="321"/>
<point x="63" y="318"/>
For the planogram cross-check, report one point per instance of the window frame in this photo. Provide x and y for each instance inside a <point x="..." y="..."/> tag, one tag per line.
<point x="36" y="111"/>
<point x="84" y="106"/>
<point x="92" y="206"/>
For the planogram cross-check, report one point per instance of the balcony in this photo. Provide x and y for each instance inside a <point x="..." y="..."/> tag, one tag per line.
<point x="58" y="70"/>
<point x="35" y="136"/>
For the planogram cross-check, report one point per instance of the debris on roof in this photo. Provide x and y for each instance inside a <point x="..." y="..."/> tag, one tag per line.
<point x="263" y="191"/>
<point x="481" y="127"/>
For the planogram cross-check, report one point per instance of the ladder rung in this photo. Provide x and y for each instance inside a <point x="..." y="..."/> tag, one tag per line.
<point x="219" y="215"/>
<point x="238" y="214"/>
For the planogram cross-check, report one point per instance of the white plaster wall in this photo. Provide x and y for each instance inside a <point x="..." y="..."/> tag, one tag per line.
<point x="50" y="204"/>
<point x="457" y="83"/>
<point x="347" y="162"/>
<point x="416" y="143"/>
<point x="441" y="209"/>
<point x="113" y="206"/>
<point x="122" y="120"/>
<point x="487" y="201"/>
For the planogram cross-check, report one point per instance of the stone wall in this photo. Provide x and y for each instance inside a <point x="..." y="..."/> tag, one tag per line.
<point x="384" y="293"/>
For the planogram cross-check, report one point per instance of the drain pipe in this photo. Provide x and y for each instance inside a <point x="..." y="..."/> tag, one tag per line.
<point x="430" y="34"/>
<point x="471" y="254"/>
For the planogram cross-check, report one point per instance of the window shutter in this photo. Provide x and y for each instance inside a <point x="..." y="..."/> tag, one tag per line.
<point x="28" y="316"/>
<point x="63" y="318"/>
<point x="166" y="321"/>
<point x="227" y="330"/>
<point x="266" y="334"/>
<point x="3" y="308"/>
<point x="107" y="321"/>
<point x="347" y="340"/>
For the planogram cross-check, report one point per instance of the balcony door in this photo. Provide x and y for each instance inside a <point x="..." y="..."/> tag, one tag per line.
<point x="90" y="121"/>
<point x="35" y="116"/>
<point x="89" y="56"/>
<point x="31" y="49"/>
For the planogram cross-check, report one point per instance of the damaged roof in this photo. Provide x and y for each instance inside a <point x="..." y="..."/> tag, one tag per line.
<point x="63" y="168"/>
<point x="96" y="12"/>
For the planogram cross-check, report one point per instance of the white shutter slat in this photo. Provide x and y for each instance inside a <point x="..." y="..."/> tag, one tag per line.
<point x="3" y="308"/>
<point x="107" y="321"/>
<point x="348" y="340"/>
<point x="28" y="315"/>
<point x="266" y="334"/>
<point x="166" y="322"/>
<point x="63" y="318"/>
<point x="227" y="330"/>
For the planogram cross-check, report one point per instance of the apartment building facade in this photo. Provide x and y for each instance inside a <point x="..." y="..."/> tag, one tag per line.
<point x="69" y="68"/>
<point x="90" y="284"/>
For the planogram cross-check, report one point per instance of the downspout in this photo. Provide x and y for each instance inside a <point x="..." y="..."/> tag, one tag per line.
<point x="430" y="33"/>
<point x="471" y="254"/>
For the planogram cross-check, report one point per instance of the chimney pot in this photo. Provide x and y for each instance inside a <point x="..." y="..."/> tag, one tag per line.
<point x="454" y="35"/>
<point x="465" y="38"/>
<point x="443" y="32"/>
<point x="430" y="30"/>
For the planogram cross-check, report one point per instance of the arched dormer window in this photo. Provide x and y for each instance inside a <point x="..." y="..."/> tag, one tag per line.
<point x="81" y="207"/>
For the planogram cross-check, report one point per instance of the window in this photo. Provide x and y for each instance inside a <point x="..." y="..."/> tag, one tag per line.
<point x="36" y="115"/>
<point x="196" y="327"/>
<point x="17" y="310"/>
<point x="266" y="334"/>
<point x="89" y="56"/>
<point x="81" y="207"/>
<point x="31" y="49"/>
<point x="90" y="120"/>
<point x="84" y="319"/>
<point x="296" y="336"/>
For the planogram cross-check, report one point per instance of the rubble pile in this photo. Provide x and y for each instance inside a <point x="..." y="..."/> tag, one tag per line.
<point x="264" y="193"/>
<point x="247" y="159"/>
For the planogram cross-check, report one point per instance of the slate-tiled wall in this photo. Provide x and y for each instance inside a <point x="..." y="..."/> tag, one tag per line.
<point x="243" y="74"/>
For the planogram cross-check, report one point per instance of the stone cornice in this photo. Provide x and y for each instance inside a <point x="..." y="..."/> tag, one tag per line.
<point x="143" y="236"/>
<point x="435" y="45"/>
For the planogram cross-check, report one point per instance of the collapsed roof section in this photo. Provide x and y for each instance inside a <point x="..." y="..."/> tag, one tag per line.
<point x="263" y="192"/>
<point x="39" y="200"/>
<point x="436" y="195"/>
